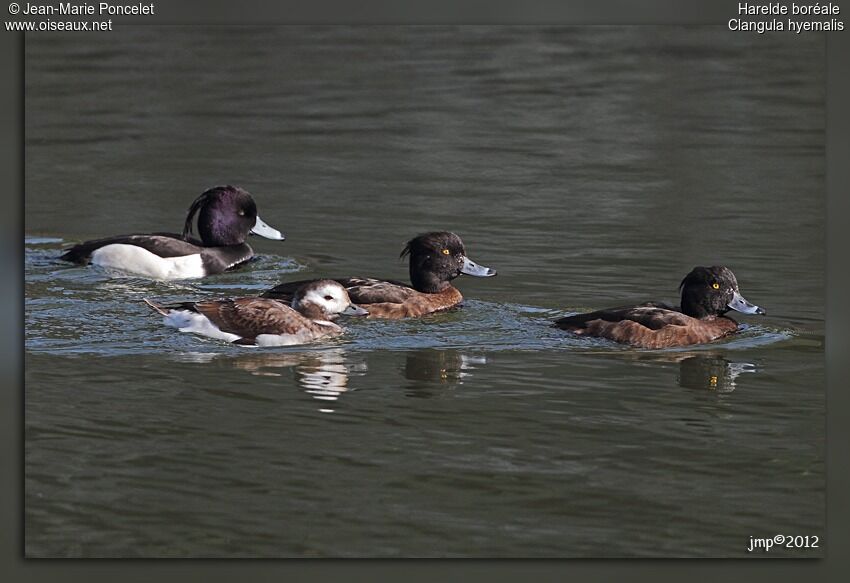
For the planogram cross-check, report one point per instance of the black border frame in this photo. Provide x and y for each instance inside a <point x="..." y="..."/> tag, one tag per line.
<point x="15" y="568"/>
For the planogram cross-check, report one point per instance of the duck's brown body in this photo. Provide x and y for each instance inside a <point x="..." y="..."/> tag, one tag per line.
<point x="251" y="317"/>
<point x="415" y="304"/>
<point x="649" y="326"/>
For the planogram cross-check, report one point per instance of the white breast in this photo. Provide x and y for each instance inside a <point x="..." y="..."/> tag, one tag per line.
<point x="134" y="259"/>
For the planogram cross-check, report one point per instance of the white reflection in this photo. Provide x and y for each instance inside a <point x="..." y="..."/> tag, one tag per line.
<point x="324" y="374"/>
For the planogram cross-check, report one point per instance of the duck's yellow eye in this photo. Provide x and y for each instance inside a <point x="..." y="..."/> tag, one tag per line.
<point x="715" y="285"/>
<point x="446" y="252"/>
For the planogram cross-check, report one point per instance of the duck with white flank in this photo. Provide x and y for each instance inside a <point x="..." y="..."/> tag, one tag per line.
<point x="264" y="322"/>
<point x="226" y="216"/>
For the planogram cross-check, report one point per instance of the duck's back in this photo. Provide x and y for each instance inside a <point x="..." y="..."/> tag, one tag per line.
<point x="161" y="244"/>
<point x="250" y="317"/>
<point x="250" y="320"/>
<point x="361" y="290"/>
<point x="381" y="297"/>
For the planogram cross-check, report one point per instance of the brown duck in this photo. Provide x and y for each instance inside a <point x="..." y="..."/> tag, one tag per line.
<point x="265" y="322"/>
<point x="435" y="260"/>
<point x="707" y="294"/>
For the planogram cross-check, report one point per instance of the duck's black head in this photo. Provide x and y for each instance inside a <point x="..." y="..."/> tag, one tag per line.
<point x="226" y="216"/>
<point x="437" y="258"/>
<point x="713" y="291"/>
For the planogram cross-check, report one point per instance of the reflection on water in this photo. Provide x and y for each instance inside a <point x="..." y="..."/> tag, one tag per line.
<point x="712" y="372"/>
<point x="324" y="374"/>
<point x="445" y="367"/>
<point x="703" y="369"/>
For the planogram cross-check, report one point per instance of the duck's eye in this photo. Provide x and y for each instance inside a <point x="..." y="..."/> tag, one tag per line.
<point x="446" y="252"/>
<point x="329" y="298"/>
<point x="241" y="213"/>
<point x="715" y="285"/>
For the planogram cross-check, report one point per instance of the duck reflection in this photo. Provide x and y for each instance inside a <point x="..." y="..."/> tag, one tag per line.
<point x="444" y="367"/>
<point x="703" y="370"/>
<point x="323" y="374"/>
<point x="712" y="372"/>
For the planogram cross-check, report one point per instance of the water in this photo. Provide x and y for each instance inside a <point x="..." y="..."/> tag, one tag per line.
<point x="590" y="166"/>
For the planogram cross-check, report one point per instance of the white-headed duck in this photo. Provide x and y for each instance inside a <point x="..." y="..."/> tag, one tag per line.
<point x="256" y="321"/>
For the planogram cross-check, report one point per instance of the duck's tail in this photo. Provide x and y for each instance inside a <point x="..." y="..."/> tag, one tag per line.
<point x="155" y="307"/>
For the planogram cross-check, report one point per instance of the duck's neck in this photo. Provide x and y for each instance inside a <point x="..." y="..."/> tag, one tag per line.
<point x="428" y="283"/>
<point x="312" y="311"/>
<point x="697" y="311"/>
<point x="693" y="311"/>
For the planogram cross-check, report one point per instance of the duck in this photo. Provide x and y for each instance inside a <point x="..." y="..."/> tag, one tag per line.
<point x="226" y="216"/>
<point x="253" y="321"/>
<point x="436" y="258"/>
<point x="708" y="293"/>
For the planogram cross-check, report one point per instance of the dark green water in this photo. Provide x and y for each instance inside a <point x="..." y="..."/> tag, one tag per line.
<point x="590" y="166"/>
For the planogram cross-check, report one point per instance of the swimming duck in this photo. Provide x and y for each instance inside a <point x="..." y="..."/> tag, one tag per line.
<point x="707" y="294"/>
<point x="226" y="216"/>
<point x="264" y="322"/>
<point x="435" y="259"/>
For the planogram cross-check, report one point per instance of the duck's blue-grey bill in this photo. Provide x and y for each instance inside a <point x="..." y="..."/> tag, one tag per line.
<point x="263" y="230"/>
<point x="740" y="304"/>
<point x="472" y="268"/>
<point x="353" y="310"/>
